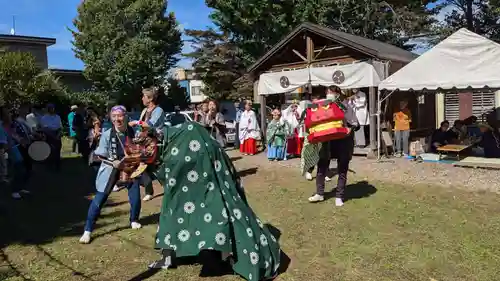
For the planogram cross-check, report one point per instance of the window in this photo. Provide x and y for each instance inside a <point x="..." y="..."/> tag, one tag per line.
<point x="196" y="91"/>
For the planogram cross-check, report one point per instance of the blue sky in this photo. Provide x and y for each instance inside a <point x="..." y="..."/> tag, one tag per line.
<point x="50" y="18"/>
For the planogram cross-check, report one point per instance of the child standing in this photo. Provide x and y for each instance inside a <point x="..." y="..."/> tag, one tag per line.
<point x="277" y="132"/>
<point x="402" y="120"/>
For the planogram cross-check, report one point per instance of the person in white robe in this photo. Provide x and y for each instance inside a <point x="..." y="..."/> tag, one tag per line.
<point x="249" y="130"/>
<point x="360" y="106"/>
<point x="292" y="116"/>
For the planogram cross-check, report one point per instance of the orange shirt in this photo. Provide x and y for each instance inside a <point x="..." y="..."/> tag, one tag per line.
<point x="402" y="120"/>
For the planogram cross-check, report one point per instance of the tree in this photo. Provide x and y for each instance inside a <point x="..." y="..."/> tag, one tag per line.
<point x="176" y="96"/>
<point x="479" y="16"/>
<point x="22" y="80"/>
<point x="217" y="62"/>
<point x="256" y="25"/>
<point x="126" y="45"/>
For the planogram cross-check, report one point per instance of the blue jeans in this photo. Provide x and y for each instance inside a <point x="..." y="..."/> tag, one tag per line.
<point x="402" y="138"/>
<point x="100" y="198"/>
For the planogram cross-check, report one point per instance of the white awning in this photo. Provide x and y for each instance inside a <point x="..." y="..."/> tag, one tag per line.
<point x="461" y="61"/>
<point x="347" y="76"/>
<point x="283" y="81"/>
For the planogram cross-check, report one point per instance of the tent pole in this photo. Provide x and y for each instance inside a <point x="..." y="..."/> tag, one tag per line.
<point x="372" y="104"/>
<point x="379" y="109"/>
<point x="379" y="112"/>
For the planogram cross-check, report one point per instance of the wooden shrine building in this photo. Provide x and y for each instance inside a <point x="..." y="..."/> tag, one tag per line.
<point x="312" y="57"/>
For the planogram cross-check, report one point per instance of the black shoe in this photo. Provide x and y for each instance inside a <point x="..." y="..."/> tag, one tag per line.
<point x="164" y="263"/>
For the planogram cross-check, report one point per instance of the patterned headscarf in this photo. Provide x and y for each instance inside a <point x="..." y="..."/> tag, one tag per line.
<point x="120" y="108"/>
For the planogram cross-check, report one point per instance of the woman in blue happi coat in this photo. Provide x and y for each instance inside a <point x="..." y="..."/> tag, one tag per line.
<point x="111" y="148"/>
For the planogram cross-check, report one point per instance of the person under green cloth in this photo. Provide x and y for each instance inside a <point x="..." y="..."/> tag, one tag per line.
<point x="205" y="208"/>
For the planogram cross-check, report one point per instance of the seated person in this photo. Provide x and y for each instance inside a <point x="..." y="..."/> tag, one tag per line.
<point x="440" y="136"/>
<point x="458" y="133"/>
<point x="472" y="126"/>
<point x="490" y="141"/>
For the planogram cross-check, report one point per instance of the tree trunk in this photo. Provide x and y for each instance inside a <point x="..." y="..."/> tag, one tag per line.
<point x="469" y="15"/>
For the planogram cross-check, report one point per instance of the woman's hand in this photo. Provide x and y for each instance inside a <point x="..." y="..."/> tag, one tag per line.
<point x="132" y="123"/>
<point x="145" y="125"/>
<point x="117" y="164"/>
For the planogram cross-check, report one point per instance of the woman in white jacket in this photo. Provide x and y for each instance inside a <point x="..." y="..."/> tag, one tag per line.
<point x="360" y="106"/>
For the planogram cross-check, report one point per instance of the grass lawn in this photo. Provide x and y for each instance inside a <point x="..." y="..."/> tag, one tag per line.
<point x="385" y="232"/>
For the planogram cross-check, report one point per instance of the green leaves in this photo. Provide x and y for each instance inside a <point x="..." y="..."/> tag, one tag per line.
<point x="22" y="80"/>
<point x="217" y="62"/>
<point x="484" y="16"/>
<point x="126" y="45"/>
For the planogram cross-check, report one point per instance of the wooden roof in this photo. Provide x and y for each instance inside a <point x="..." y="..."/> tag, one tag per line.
<point x="373" y="48"/>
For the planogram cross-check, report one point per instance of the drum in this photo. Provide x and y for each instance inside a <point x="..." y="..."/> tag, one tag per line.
<point x="39" y="151"/>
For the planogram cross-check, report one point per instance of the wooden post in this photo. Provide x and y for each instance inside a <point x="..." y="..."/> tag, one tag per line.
<point x="263" y="123"/>
<point x="310" y="57"/>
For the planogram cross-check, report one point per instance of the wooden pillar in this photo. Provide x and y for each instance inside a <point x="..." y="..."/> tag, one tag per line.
<point x="263" y="123"/>
<point x="310" y="57"/>
<point x="372" y="102"/>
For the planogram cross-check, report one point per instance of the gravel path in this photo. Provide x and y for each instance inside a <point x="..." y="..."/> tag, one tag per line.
<point x="401" y="171"/>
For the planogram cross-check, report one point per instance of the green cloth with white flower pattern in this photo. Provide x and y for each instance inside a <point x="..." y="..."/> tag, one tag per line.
<point x="204" y="205"/>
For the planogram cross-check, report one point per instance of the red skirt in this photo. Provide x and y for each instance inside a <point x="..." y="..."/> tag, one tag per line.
<point x="294" y="145"/>
<point x="249" y="146"/>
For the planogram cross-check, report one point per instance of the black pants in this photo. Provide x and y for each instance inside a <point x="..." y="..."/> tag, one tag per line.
<point x="27" y="161"/>
<point x="237" y="137"/>
<point x="55" y="151"/>
<point x="84" y="148"/>
<point x="342" y="151"/>
<point x="323" y="167"/>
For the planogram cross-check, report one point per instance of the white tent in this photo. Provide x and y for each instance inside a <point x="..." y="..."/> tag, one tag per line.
<point x="463" y="60"/>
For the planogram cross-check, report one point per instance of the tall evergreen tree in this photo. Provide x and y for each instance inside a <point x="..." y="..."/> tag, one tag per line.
<point x="256" y="25"/>
<point x="217" y="62"/>
<point x="480" y="16"/>
<point x="126" y="44"/>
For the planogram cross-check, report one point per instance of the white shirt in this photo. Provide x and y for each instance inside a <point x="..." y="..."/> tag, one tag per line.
<point x="51" y="122"/>
<point x="361" y="108"/>
<point x="32" y="120"/>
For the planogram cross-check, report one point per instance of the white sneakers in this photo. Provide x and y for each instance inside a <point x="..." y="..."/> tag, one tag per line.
<point x="17" y="195"/>
<point x="86" y="237"/>
<point x="339" y="202"/>
<point x="316" y="198"/>
<point x="147" y="197"/>
<point x="135" y="225"/>
<point x="309" y="177"/>
<point x="319" y="198"/>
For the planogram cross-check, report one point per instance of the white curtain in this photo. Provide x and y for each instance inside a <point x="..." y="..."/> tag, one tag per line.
<point x="283" y="81"/>
<point x="356" y="75"/>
